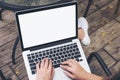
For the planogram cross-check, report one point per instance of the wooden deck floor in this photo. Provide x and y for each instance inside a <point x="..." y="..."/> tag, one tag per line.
<point x="104" y="33"/>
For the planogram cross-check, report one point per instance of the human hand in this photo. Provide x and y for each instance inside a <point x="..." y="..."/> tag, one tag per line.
<point x="45" y="71"/>
<point x="73" y="70"/>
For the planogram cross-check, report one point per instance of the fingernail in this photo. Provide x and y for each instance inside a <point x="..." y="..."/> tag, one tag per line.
<point x="60" y="65"/>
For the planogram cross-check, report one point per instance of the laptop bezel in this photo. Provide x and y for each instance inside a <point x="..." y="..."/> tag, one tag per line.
<point x="41" y="9"/>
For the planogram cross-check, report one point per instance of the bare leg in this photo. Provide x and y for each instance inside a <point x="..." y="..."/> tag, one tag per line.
<point x="81" y="34"/>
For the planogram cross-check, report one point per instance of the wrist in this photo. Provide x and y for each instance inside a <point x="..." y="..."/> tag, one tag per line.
<point x="93" y="77"/>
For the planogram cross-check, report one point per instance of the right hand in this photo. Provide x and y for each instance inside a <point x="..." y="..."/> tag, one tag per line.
<point x="45" y="70"/>
<point x="73" y="70"/>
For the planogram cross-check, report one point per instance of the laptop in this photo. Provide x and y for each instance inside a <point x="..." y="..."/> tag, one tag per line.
<point x="50" y="32"/>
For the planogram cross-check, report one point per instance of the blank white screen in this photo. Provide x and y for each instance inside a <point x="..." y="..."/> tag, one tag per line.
<point x="47" y="26"/>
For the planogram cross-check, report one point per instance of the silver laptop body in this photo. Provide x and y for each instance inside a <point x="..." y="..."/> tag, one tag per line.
<point x="50" y="32"/>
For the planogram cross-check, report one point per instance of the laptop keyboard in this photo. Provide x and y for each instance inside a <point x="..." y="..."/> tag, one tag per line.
<point x="57" y="55"/>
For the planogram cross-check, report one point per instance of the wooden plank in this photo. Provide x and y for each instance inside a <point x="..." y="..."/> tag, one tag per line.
<point x="102" y="17"/>
<point x="118" y="18"/>
<point x="19" y="68"/>
<point x="6" y="53"/>
<point x="3" y="23"/>
<point x="8" y="17"/>
<point x="116" y="68"/>
<point x="113" y="47"/>
<point x="25" y="78"/>
<point x="109" y="61"/>
<point x="98" y="4"/>
<point x="109" y="11"/>
<point x="96" y="21"/>
<point x="94" y="7"/>
<point x="82" y="7"/>
<point x="101" y="3"/>
<point x="8" y="73"/>
<point x="103" y="36"/>
<point x="96" y="68"/>
<point x="8" y="33"/>
<point x="79" y="1"/>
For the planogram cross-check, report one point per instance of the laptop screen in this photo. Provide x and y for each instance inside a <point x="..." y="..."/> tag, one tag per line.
<point x="46" y="26"/>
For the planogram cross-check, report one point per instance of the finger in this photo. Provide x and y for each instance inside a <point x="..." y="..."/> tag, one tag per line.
<point x="74" y="61"/>
<point x="50" y="64"/>
<point x="39" y="63"/>
<point x="53" y="71"/>
<point x="68" y="62"/>
<point x="65" y="67"/>
<point x="37" y="66"/>
<point x="65" y="62"/>
<point x="42" y="64"/>
<point x="69" y="74"/>
<point x="46" y="63"/>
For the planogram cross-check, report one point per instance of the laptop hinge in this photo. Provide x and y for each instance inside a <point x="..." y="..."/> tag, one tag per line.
<point x="50" y="44"/>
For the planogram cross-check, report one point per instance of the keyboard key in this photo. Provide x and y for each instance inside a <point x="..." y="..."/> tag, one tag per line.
<point x="80" y="59"/>
<point x="77" y="59"/>
<point x="43" y="54"/>
<point x="40" y="54"/>
<point x="69" y="54"/>
<point x="43" y="57"/>
<point x="62" y="56"/>
<point x="53" y="55"/>
<point x="58" y="50"/>
<point x="61" y="60"/>
<point x="59" y="57"/>
<point x="33" y="72"/>
<point x="39" y="59"/>
<point x="31" y="61"/>
<point x="58" y="61"/>
<point x="72" y="53"/>
<point x="46" y="56"/>
<point x="71" y="47"/>
<point x="29" y="58"/>
<point x="36" y="60"/>
<point x="33" y="64"/>
<point x="47" y="53"/>
<point x="72" y="57"/>
<point x="36" y="56"/>
<point x="77" y="56"/>
<point x="36" y="53"/>
<point x="57" y="54"/>
<point x="55" y="58"/>
<point x="33" y="68"/>
<point x="52" y="59"/>
<point x="28" y="55"/>
<point x="55" y="62"/>
<point x="54" y="51"/>
<point x="60" y="53"/>
<point x="50" y="56"/>
<point x="64" y="48"/>
<point x="65" y="55"/>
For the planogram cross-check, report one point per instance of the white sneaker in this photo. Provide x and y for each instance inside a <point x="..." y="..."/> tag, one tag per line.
<point x="83" y="24"/>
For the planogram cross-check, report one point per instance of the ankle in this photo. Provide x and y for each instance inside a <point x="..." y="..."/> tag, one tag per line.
<point x="81" y="34"/>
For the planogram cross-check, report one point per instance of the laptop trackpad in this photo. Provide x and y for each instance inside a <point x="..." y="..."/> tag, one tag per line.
<point x="60" y="75"/>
